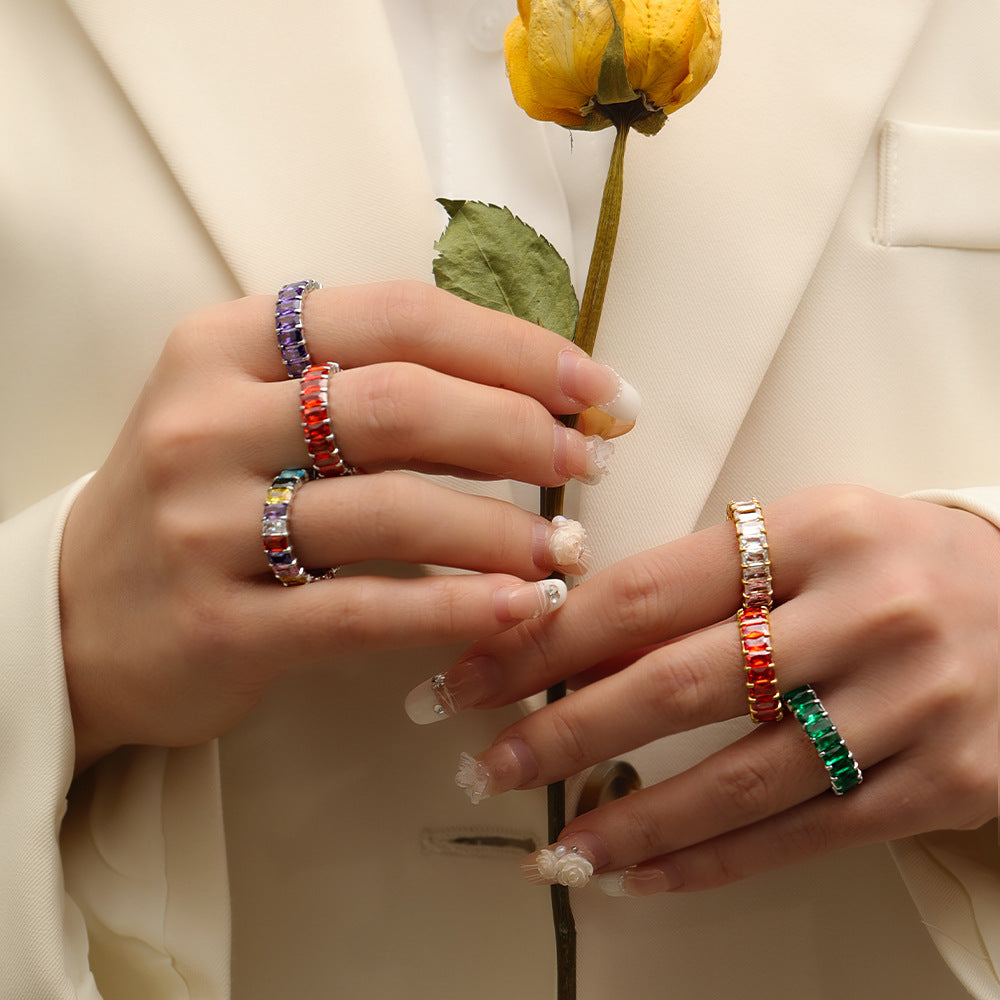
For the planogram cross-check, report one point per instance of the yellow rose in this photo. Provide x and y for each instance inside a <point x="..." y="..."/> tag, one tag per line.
<point x="656" y="55"/>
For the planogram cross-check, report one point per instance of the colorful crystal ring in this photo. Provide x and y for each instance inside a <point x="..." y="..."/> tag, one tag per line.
<point x="755" y="562"/>
<point x="837" y="759"/>
<point x="320" y="440"/>
<point x="288" y="326"/>
<point x="275" y="530"/>
<point x="762" y="685"/>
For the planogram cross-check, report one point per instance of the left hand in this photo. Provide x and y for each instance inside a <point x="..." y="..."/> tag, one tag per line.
<point x="888" y="607"/>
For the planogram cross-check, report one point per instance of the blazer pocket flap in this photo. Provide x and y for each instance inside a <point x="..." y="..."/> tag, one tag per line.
<point x="938" y="187"/>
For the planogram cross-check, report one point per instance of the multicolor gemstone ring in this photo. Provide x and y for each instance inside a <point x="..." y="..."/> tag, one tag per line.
<point x="288" y="326"/>
<point x="276" y="533"/>
<point x="755" y="561"/>
<point x="839" y="762"/>
<point x="320" y="440"/>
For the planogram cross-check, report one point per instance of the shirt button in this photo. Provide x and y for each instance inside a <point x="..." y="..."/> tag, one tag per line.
<point x="609" y="780"/>
<point x="485" y="23"/>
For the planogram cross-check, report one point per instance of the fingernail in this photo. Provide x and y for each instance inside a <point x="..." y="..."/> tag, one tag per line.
<point x="643" y="880"/>
<point x="571" y="862"/>
<point x="579" y="457"/>
<point x="468" y="683"/>
<point x="584" y="380"/>
<point x="561" y="544"/>
<point x="529" y="600"/>
<point x="504" y="766"/>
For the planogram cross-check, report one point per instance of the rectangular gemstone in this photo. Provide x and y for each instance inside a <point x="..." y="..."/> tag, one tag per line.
<point x="828" y="743"/>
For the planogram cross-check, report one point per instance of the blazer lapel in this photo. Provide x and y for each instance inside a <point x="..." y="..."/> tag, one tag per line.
<point x="726" y="215"/>
<point x="287" y="126"/>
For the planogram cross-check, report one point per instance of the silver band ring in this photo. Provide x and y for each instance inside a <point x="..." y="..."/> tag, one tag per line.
<point x="839" y="762"/>
<point x="288" y="326"/>
<point x="276" y="534"/>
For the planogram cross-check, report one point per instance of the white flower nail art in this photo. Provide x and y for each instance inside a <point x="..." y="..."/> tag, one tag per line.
<point x="568" y="543"/>
<point x="473" y="776"/>
<point x="562" y="864"/>
<point x="599" y="454"/>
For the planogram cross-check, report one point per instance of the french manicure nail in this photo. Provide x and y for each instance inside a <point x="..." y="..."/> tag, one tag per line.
<point x="642" y="880"/>
<point x="586" y="381"/>
<point x="561" y="544"/>
<point x="466" y="685"/>
<point x="625" y="404"/>
<point x="430" y="701"/>
<point x="612" y="883"/>
<point x="529" y="600"/>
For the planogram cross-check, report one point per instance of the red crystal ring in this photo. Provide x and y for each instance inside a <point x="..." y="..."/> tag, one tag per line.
<point x="755" y="562"/>
<point x="275" y="530"/>
<point x="315" y="399"/>
<point x="762" y="685"/>
<point x="288" y="326"/>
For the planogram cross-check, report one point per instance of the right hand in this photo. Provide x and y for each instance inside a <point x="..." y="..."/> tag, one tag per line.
<point x="173" y="625"/>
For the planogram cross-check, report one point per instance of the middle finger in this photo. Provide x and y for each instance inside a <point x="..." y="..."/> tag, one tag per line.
<point x="400" y="415"/>
<point x="675" y="688"/>
<point x="407" y="518"/>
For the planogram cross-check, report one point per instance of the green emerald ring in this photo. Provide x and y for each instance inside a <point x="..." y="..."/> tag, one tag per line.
<point x="837" y="759"/>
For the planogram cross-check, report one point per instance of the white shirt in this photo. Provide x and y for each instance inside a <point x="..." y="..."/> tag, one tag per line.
<point x="479" y="143"/>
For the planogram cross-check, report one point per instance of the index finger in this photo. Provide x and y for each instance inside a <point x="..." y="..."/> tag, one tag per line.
<point x="418" y="323"/>
<point x="645" y="600"/>
<point x="642" y="601"/>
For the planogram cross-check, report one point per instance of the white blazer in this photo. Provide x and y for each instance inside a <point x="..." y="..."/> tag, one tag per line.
<point x="807" y="289"/>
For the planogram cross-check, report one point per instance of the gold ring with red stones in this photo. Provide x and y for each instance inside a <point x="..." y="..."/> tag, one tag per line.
<point x="762" y="684"/>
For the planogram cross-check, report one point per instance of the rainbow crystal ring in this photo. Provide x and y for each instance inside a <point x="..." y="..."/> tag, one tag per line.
<point x="755" y="562"/>
<point x="288" y="326"/>
<point x="839" y="762"/>
<point x="275" y="530"/>
<point x="762" y="685"/>
<point x="320" y="440"/>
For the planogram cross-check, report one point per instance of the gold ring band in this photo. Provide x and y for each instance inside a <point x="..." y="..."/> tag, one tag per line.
<point x="755" y="560"/>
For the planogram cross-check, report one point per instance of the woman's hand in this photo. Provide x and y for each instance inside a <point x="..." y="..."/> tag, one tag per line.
<point x="173" y="624"/>
<point x="887" y="607"/>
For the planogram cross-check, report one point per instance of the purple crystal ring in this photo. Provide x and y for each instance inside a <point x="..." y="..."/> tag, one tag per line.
<point x="275" y="530"/>
<point x="288" y="326"/>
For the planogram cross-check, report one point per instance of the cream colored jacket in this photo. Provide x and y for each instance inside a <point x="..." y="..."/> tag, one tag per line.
<point x="807" y="290"/>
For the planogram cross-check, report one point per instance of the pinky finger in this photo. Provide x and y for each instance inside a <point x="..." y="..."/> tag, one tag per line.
<point x="353" y="614"/>
<point x="811" y="830"/>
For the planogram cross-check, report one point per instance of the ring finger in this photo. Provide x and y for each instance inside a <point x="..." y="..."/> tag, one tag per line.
<point x="752" y="782"/>
<point x="678" y="687"/>
<point x="403" y="517"/>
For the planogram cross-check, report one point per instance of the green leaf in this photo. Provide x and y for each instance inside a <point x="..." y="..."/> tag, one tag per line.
<point x="612" y="83"/>
<point x="488" y="256"/>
